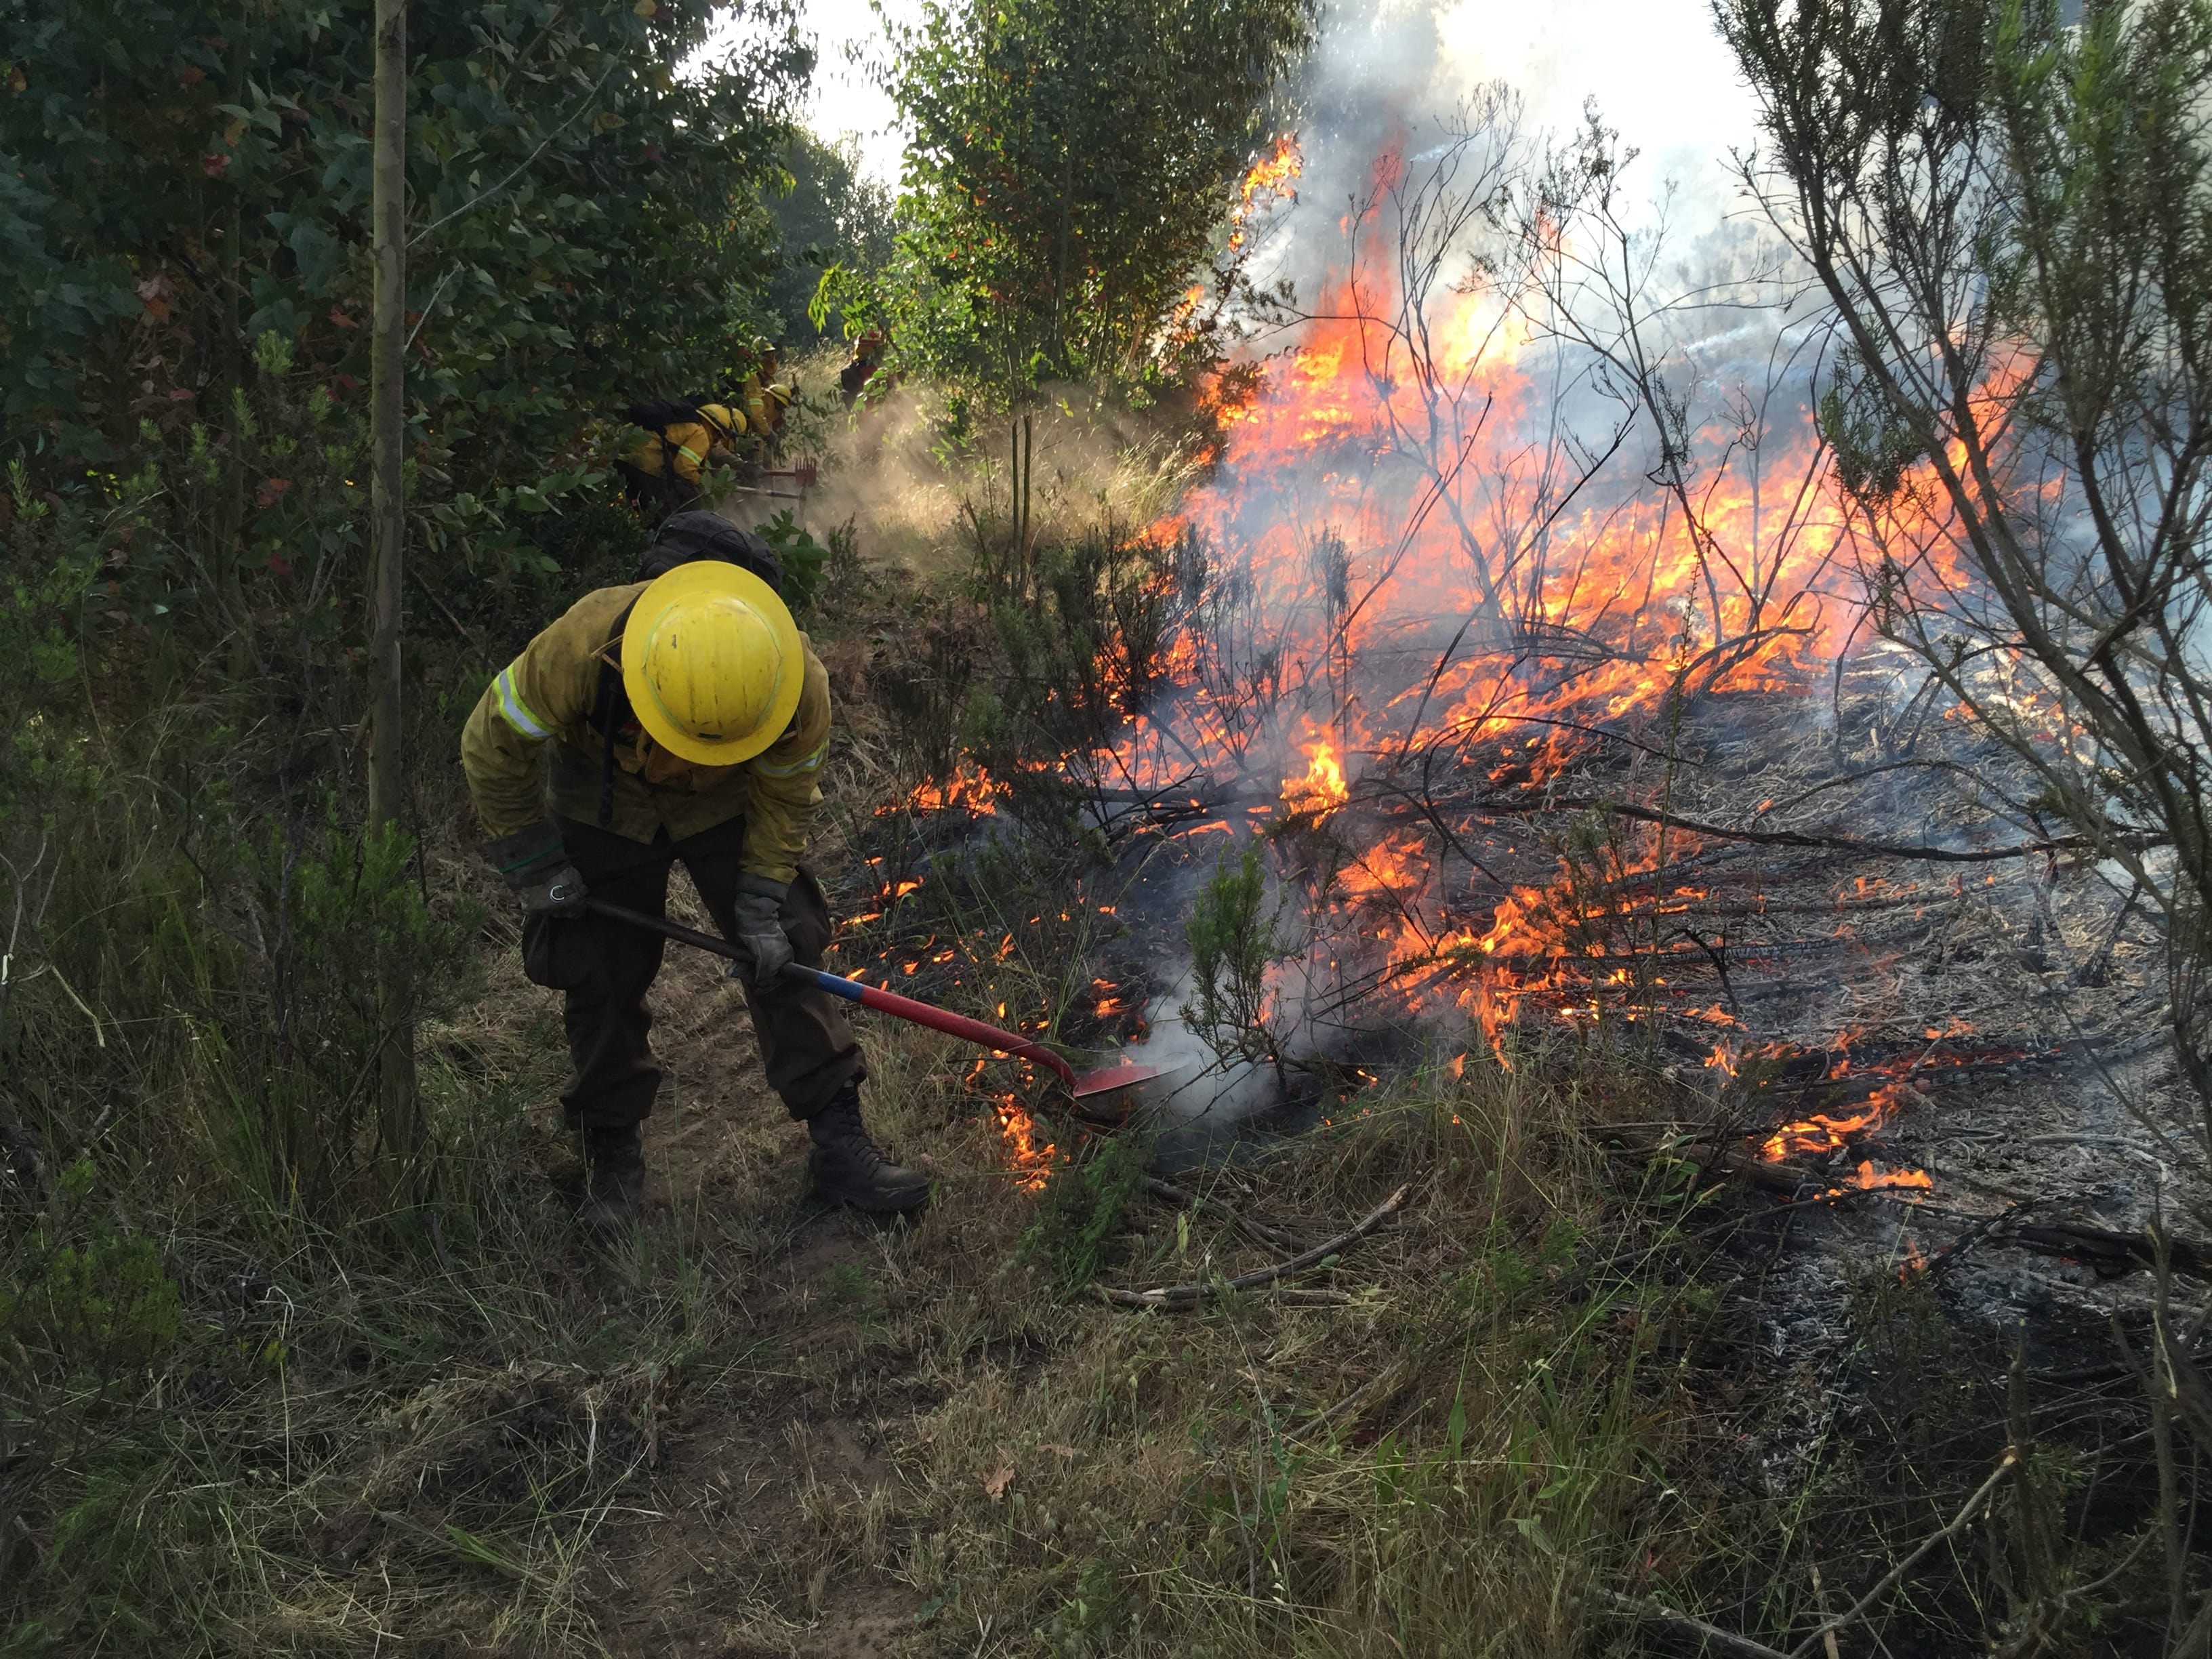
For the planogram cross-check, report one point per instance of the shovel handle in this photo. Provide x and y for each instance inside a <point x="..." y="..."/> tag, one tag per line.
<point x="868" y="996"/>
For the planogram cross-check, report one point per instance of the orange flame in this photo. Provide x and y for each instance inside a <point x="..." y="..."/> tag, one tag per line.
<point x="1032" y="1163"/>
<point x="1271" y="176"/>
<point x="1360" y="551"/>
<point x="969" y="788"/>
<point x="1321" y="790"/>
<point x="1871" y="1177"/>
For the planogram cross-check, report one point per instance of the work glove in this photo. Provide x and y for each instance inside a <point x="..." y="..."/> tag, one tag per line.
<point x="760" y="931"/>
<point x="534" y="863"/>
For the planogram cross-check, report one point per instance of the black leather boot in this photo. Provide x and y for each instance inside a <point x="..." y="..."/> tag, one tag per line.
<point x="614" y="1162"/>
<point x="847" y="1169"/>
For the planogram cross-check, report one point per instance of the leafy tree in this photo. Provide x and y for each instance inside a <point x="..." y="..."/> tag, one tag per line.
<point x="179" y="178"/>
<point x="830" y="214"/>
<point x="2011" y="216"/>
<point x="1073" y="163"/>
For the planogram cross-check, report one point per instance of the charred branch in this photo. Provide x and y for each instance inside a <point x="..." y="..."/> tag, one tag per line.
<point x="2112" y="1255"/>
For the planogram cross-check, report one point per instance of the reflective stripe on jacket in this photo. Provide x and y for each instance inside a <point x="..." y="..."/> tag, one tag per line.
<point x="547" y="696"/>
<point x="682" y="446"/>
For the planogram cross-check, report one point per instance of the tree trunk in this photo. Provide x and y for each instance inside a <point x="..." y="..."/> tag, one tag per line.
<point x="400" y="1126"/>
<point x="1023" y="548"/>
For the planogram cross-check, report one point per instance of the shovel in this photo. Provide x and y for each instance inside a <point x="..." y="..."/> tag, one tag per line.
<point x="1082" y="1086"/>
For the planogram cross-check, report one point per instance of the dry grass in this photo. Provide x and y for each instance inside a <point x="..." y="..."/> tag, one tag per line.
<point x="1440" y="1465"/>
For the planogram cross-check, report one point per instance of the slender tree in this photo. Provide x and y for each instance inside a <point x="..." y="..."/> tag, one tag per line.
<point x="1072" y="169"/>
<point x="400" y="1119"/>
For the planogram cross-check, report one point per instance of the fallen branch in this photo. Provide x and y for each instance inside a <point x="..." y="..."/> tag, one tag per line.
<point x="1895" y="1576"/>
<point x="1189" y="1200"/>
<point x="1721" y="1641"/>
<point x="1888" y="849"/>
<point x="1182" y="1296"/>
<point x="1286" y="1295"/>
<point x="2111" y="1254"/>
<point x="1383" y="1381"/>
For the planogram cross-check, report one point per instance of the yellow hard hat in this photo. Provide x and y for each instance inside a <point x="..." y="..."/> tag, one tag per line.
<point x="712" y="662"/>
<point x="731" y="420"/>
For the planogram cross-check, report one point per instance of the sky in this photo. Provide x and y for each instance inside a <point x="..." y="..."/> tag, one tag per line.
<point x="1660" y="73"/>
<point x="1658" y="69"/>
<point x="846" y="98"/>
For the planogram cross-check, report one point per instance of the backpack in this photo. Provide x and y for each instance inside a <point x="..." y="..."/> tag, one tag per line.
<point x="683" y="537"/>
<point x="657" y="416"/>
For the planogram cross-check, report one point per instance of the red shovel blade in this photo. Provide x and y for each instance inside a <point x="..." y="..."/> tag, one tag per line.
<point x="1108" y="1079"/>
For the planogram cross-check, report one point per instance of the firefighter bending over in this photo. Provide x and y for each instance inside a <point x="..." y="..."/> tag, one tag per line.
<point x="663" y="469"/>
<point x="677" y="439"/>
<point x="684" y="718"/>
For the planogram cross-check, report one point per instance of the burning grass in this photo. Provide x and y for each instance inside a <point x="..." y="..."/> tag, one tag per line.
<point x="1261" y="1478"/>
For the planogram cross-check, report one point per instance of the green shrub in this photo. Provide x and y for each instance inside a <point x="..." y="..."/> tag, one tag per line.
<point x="96" y="1310"/>
<point x="1234" y="940"/>
<point x="803" y="559"/>
<point x="1085" y="1202"/>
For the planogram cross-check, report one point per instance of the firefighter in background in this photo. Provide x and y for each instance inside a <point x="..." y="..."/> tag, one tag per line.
<point x="685" y="719"/>
<point x="766" y="398"/>
<point x="680" y="438"/>
<point x="867" y="356"/>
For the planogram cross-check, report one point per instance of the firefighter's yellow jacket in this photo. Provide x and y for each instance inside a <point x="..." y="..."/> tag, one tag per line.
<point x="545" y="699"/>
<point x="682" y="446"/>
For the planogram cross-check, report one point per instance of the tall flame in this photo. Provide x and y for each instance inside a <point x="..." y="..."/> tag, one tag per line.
<point x="1269" y="178"/>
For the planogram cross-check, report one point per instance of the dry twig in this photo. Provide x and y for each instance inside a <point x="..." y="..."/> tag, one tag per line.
<point x="1745" y="1647"/>
<point x="1258" y="1230"/>
<point x="1715" y="1639"/>
<point x="1185" y="1296"/>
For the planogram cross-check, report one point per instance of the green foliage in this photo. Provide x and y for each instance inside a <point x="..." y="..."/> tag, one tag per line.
<point x="803" y="558"/>
<point x="96" y="1308"/>
<point x="131" y="1564"/>
<point x="1234" y="941"/>
<point x="1075" y="657"/>
<point x="339" y="902"/>
<point x="1070" y="168"/>
<point x="207" y="923"/>
<point x="1086" y="1202"/>
<point x="178" y="180"/>
<point x="1872" y="448"/>
<point x="830" y="216"/>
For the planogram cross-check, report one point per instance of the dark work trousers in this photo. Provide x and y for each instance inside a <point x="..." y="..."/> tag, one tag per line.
<point x="603" y="967"/>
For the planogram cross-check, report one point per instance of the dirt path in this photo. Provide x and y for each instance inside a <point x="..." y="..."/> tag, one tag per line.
<point x="773" y="1488"/>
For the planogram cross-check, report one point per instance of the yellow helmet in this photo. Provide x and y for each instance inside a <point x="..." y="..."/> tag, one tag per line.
<point x="729" y="421"/>
<point x="712" y="662"/>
